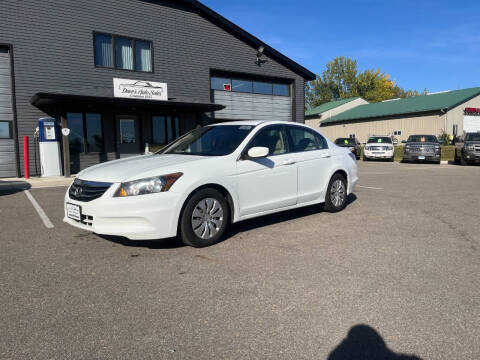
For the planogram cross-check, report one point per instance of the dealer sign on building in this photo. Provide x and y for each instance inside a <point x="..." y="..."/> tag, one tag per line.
<point x="139" y="89"/>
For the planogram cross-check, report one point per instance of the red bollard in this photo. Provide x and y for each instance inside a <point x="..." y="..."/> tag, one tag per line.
<point x="26" y="167"/>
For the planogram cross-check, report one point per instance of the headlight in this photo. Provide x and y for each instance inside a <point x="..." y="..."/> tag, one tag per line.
<point x="351" y="148"/>
<point x="147" y="186"/>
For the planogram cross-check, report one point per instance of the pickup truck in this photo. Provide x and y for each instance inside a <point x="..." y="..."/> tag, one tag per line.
<point x="422" y="148"/>
<point x="467" y="148"/>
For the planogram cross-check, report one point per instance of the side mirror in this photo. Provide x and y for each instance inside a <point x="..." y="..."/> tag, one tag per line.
<point x="258" y="152"/>
<point x="404" y="141"/>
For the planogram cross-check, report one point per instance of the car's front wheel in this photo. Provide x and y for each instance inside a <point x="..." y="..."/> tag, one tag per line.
<point x="204" y="219"/>
<point x="336" y="197"/>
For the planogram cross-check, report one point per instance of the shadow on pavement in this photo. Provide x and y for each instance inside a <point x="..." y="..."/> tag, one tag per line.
<point x="279" y="217"/>
<point x="234" y="229"/>
<point x="365" y="343"/>
<point x="170" y="243"/>
<point x="13" y="187"/>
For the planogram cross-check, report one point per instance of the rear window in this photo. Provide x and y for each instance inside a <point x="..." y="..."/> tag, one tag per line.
<point x="379" y="139"/>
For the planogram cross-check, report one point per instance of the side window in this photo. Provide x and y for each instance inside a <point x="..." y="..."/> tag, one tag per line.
<point x="274" y="138"/>
<point x="305" y="139"/>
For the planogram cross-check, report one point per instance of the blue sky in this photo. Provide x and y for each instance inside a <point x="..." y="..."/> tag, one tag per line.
<point x="421" y="44"/>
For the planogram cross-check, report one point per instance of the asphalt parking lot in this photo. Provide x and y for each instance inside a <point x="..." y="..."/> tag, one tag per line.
<point x="397" y="272"/>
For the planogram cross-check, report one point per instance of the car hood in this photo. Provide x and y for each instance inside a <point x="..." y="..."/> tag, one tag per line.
<point x="472" y="142"/>
<point x="137" y="167"/>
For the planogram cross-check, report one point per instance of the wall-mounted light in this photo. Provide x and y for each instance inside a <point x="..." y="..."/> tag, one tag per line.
<point x="259" y="60"/>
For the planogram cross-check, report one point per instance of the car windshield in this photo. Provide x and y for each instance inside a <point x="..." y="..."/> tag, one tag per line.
<point x="472" y="137"/>
<point x="345" y="142"/>
<point x="216" y="140"/>
<point x="422" y="138"/>
<point x="379" y="139"/>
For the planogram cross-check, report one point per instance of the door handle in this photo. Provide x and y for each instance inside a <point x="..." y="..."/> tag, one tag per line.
<point x="288" y="162"/>
<point x="325" y="155"/>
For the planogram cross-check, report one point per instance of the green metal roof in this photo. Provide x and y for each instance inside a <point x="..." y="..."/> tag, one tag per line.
<point x="328" y="106"/>
<point x="423" y="103"/>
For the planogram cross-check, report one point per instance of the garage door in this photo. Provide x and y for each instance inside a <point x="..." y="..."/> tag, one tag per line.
<point x="7" y="152"/>
<point x="471" y="123"/>
<point x="251" y="100"/>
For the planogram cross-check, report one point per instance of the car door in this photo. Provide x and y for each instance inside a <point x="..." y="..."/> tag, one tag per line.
<point x="267" y="183"/>
<point x="313" y="158"/>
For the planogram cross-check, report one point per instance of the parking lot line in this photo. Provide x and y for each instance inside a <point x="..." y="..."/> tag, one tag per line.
<point x="369" y="187"/>
<point x="46" y="221"/>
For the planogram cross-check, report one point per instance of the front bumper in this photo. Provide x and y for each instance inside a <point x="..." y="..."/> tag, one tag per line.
<point x="378" y="154"/>
<point x="471" y="156"/>
<point x="411" y="156"/>
<point x="143" y="217"/>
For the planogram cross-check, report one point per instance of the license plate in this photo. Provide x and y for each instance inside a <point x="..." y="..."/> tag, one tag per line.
<point x="74" y="212"/>
<point x="421" y="158"/>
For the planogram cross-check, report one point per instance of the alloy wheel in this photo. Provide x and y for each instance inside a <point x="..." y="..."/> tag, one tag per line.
<point x="207" y="218"/>
<point x="337" y="193"/>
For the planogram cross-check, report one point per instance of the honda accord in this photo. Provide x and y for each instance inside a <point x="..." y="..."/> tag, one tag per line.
<point x="209" y="178"/>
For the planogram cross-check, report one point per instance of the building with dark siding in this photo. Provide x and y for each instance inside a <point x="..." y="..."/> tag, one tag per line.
<point x="177" y="65"/>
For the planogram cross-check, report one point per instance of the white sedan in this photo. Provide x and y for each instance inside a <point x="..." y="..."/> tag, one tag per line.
<point x="209" y="178"/>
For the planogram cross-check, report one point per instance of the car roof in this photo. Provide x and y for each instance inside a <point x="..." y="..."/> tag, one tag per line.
<point x="256" y="122"/>
<point x="242" y="122"/>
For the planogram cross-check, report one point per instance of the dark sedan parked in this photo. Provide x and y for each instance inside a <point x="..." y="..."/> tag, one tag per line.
<point x="422" y="148"/>
<point x="351" y="143"/>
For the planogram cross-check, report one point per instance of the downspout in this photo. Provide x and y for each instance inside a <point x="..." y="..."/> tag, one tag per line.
<point x="445" y="111"/>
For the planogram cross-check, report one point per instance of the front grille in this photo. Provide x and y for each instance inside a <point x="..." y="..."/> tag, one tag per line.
<point x="418" y="148"/>
<point x="82" y="190"/>
<point x="477" y="148"/>
<point x="378" y="148"/>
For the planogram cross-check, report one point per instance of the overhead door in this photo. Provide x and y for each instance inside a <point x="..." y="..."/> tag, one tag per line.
<point x="244" y="106"/>
<point x="251" y="99"/>
<point x="7" y="152"/>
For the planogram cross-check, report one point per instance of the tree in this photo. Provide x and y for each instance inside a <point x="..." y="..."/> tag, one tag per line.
<point x="341" y="80"/>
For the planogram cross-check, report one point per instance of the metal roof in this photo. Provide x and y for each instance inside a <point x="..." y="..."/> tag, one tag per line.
<point x="416" y="104"/>
<point x="328" y="106"/>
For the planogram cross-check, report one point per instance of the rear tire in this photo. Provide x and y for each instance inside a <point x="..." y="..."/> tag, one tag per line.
<point x="336" y="197"/>
<point x="204" y="219"/>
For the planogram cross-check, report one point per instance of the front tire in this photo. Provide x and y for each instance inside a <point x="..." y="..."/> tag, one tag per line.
<point x="336" y="197"/>
<point x="204" y="219"/>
